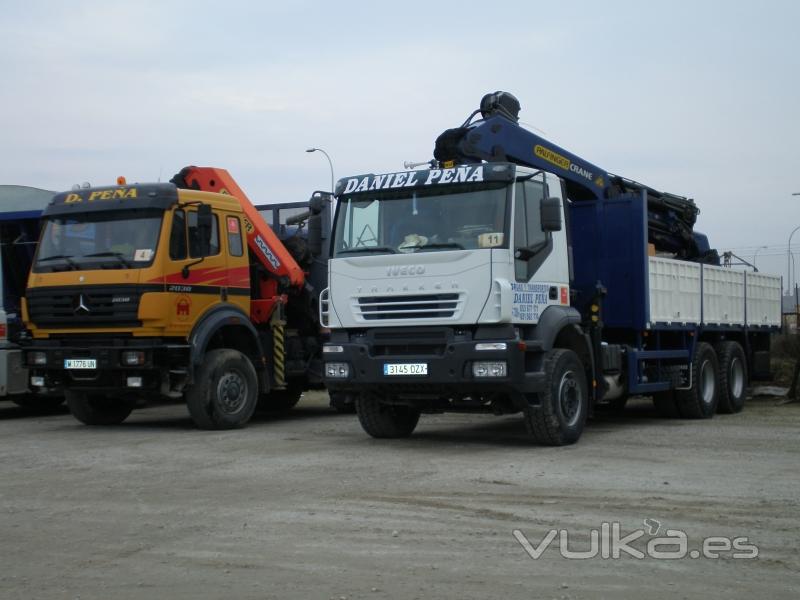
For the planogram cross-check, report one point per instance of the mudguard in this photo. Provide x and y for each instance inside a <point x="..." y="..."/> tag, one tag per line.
<point x="212" y="322"/>
<point x="552" y="321"/>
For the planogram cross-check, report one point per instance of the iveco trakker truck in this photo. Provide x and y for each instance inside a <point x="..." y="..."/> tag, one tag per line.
<point x="513" y="276"/>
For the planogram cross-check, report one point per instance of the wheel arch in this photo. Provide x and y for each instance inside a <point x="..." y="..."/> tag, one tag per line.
<point x="226" y="327"/>
<point x="559" y="327"/>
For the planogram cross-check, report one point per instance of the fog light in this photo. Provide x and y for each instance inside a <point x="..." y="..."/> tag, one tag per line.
<point x="328" y="348"/>
<point x="485" y="368"/>
<point x="37" y="381"/>
<point x="337" y="370"/>
<point x="491" y="346"/>
<point x="37" y="358"/>
<point x="135" y="382"/>
<point x="132" y="358"/>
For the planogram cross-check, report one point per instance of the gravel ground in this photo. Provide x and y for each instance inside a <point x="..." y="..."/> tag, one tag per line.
<point x="305" y="505"/>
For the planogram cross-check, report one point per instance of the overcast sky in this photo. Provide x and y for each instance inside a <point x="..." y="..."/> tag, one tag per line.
<point x="696" y="98"/>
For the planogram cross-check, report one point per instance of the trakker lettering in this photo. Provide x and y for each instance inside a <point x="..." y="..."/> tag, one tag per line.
<point x="562" y="162"/>
<point x="389" y="181"/>
<point x="117" y="194"/>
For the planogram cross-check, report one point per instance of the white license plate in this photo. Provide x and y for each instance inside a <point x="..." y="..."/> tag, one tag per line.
<point x="405" y="369"/>
<point x="80" y="363"/>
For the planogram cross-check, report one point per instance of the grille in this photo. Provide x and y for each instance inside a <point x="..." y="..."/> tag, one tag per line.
<point x="421" y="306"/>
<point x="68" y="307"/>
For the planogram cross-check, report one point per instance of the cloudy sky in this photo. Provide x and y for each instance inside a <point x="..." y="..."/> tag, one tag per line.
<point x="697" y="98"/>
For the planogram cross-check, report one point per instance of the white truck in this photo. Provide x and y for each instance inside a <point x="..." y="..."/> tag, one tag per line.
<point x="513" y="276"/>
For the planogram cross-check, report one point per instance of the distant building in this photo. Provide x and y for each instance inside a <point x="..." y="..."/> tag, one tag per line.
<point x="23" y="199"/>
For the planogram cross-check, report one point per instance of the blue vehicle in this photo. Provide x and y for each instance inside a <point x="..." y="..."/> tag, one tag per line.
<point x="20" y="210"/>
<point x="515" y="277"/>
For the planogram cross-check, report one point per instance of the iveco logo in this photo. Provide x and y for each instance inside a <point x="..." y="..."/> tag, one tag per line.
<point x="405" y="270"/>
<point x="79" y="305"/>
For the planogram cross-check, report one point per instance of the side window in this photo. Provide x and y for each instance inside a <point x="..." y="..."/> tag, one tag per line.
<point x="520" y="232"/>
<point x="235" y="246"/>
<point x="194" y="246"/>
<point x="177" y="237"/>
<point x="527" y="221"/>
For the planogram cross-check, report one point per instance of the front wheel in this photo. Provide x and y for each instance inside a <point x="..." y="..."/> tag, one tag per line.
<point x="382" y="420"/>
<point x="225" y="391"/>
<point x="96" y="409"/>
<point x="560" y="416"/>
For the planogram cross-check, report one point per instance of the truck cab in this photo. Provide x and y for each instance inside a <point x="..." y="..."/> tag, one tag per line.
<point x="440" y="280"/>
<point x="148" y="292"/>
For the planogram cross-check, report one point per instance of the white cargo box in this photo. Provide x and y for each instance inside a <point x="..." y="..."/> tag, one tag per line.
<point x="684" y="293"/>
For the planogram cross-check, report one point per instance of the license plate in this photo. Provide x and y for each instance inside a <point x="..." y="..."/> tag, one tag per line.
<point x="405" y="369"/>
<point x="80" y="363"/>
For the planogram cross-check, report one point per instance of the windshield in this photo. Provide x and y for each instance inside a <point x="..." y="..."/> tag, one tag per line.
<point x="99" y="240"/>
<point x="456" y="218"/>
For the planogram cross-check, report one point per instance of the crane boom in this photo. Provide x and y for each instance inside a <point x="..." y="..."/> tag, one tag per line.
<point x="262" y="241"/>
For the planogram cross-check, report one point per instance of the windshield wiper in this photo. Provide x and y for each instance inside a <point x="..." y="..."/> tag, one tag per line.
<point x="67" y="258"/>
<point x="117" y="255"/>
<point x="368" y="249"/>
<point x="455" y="245"/>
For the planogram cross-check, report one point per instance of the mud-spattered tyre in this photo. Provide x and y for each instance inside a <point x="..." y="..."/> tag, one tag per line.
<point x="225" y="391"/>
<point x="700" y="401"/>
<point x="382" y="420"/>
<point x="732" y="377"/>
<point x="97" y="409"/>
<point x="560" y="417"/>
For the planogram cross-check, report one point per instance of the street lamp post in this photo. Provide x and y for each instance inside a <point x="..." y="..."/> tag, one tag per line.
<point x="755" y="258"/>
<point x="330" y="163"/>
<point x="789" y="254"/>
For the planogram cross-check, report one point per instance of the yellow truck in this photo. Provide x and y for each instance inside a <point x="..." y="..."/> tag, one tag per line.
<point x="147" y="292"/>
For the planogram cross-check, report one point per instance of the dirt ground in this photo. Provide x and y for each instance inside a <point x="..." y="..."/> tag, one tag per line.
<point x="307" y="506"/>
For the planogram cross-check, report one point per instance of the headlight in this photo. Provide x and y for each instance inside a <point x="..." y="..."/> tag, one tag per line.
<point x="486" y="368"/>
<point x="132" y="358"/>
<point x="331" y="349"/>
<point x="337" y="370"/>
<point x="37" y="358"/>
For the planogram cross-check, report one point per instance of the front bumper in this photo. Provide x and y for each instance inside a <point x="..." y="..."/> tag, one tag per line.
<point x="164" y="368"/>
<point x="448" y="354"/>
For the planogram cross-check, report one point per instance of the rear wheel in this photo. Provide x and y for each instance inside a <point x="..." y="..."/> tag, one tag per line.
<point x="560" y="417"/>
<point x="700" y="401"/>
<point x="382" y="420"/>
<point x="96" y="409"/>
<point x="732" y="377"/>
<point x="225" y="391"/>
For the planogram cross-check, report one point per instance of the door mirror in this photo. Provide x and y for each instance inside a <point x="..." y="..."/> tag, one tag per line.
<point x="204" y="227"/>
<point x="551" y="214"/>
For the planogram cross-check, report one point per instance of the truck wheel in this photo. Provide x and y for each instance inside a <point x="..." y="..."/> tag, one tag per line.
<point x="342" y="403"/>
<point x="225" y="392"/>
<point x="282" y="399"/>
<point x="563" y="405"/>
<point x="732" y="377"/>
<point x="96" y="409"/>
<point x="700" y="401"/>
<point x="385" y="420"/>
